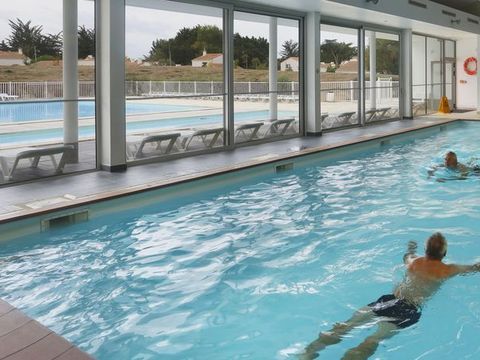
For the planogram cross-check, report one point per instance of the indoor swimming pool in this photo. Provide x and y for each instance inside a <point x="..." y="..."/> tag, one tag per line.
<point x="257" y="268"/>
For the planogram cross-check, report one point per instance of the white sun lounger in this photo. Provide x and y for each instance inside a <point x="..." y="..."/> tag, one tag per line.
<point x="278" y="127"/>
<point x="136" y="145"/>
<point x="323" y="117"/>
<point x="370" y="115"/>
<point x="247" y="132"/>
<point x="7" y="97"/>
<point x="208" y="137"/>
<point x="383" y="113"/>
<point x="376" y="114"/>
<point x="33" y="154"/>
<point x="345" y="117"/>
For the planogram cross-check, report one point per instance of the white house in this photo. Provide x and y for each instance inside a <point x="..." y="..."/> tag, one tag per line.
<point x="290" y="64"/>
<point x="8" y="58"/>
<point x="207" y="60"/>
<point x="88" y="61"/>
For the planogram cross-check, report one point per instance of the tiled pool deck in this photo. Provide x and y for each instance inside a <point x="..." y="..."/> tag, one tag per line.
<point x="24" y="338"/>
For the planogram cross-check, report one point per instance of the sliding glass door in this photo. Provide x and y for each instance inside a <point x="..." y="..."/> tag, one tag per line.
<point x="343" y="91"/>
<point x="433" y="74"/>
<point x="267" y="68"/>
<point x="47" y="89"/>
<point x="174" y="79"/>
<point x="339" y="76"/>
<point x="382" y="76"/>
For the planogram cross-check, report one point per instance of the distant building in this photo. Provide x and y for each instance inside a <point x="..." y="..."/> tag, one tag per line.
<point x="88" y="61"/>
<point x="207" y="60"/>
<point x="8" y="58"/>
<point x="324" y="67"/>
<point x="290" y="64"/>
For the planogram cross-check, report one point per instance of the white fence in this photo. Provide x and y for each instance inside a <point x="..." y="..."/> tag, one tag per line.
<point x="350" y="90"/>
<point x="343" y="90"/>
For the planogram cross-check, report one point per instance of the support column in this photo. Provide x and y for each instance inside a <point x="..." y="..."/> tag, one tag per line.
<point x="272" y="69"/>
<point x="312" y="74"/>
<point x="406" y="74"/>
<point x="70" y="78"/>
<point x="373" y="69"/>
<point x="361" y="77"/>
<point x="110" y="75"/>
<point x="228" y="76"/>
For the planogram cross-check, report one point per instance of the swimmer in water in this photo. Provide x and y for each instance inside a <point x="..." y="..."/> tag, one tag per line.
<point x="401" y="309"/>
<point x="451" y="163"/>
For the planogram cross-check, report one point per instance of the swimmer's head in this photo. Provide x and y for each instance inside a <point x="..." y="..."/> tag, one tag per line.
<point x="436" y="247"/>
<point x="451" y="159"/>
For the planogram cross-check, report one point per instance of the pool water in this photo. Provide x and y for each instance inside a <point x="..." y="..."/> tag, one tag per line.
<point x="36" y="111"/>
<point x="257" y="270"/>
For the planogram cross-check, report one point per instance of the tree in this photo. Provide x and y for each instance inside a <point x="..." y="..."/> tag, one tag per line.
<point x="33" y="43"/>
<point x="160" y="52"/>
<point x="209" y="38"/>
<point x="50" y="45"/>
<point x="333" y="51"/>
<point x="289" y="49"/>
<point x="387" y="57"/>
<point x="190" y="43"/>
<point x="25" y="36"/>
<point x="246" y="49"/>
<point x="86" y="42"/>
<point x="4" y="46"/>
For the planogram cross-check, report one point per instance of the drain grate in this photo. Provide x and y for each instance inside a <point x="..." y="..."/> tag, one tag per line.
<point x="64" y="220"/>
<point x="284" y="167"/>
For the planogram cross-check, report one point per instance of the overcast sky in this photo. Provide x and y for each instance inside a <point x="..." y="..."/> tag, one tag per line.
<point x="145" y="25"/>
<point x="142" y="25"/>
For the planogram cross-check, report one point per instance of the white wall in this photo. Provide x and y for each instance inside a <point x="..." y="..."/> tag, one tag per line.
<point x="466" y="92"/>
<point x="9" y="62"/>
<point x="293" y="65"/>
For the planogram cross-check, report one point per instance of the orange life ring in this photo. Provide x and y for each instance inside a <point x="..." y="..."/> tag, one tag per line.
<point x="470" y="66"/>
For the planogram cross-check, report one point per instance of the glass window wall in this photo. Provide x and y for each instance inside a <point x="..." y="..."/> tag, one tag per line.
<point x="382" y="76"/>
<point x="47" y="89"/>
<point x="267" y="65"/>
<point x="433" y="74"/>
<point x="174" y="78"/>
<point x="419" y="75"/>
<point x="339" y="76"/>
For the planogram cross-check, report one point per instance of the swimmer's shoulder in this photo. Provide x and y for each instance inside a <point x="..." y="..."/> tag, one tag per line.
<point x="431" y="269"/>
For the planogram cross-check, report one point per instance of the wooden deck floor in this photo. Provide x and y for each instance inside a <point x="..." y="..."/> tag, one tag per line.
<point x="22" y="338"/>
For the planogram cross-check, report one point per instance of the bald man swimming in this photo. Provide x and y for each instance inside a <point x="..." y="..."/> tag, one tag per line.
<point x="450" y="162"/>
<point x="424" y="275"/>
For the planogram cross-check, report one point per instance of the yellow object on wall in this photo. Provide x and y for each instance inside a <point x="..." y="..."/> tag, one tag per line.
<point x="444" y="107"/>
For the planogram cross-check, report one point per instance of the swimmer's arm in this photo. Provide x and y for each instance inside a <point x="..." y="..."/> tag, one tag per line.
<point x="434" y="168"/>
<point x="410" y="254"/>
<point x="464" y="269"/>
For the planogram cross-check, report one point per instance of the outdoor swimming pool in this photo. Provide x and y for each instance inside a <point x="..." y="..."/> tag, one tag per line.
<point x="137" y="126"/>
<point x="257" y="270"/>
<point x="35" y="111"/>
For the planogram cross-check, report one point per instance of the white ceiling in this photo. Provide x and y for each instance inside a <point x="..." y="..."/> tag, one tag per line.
<point x="336" y="10"/>
<point x="326" y="8"/>
<point x="469" y="6"/>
